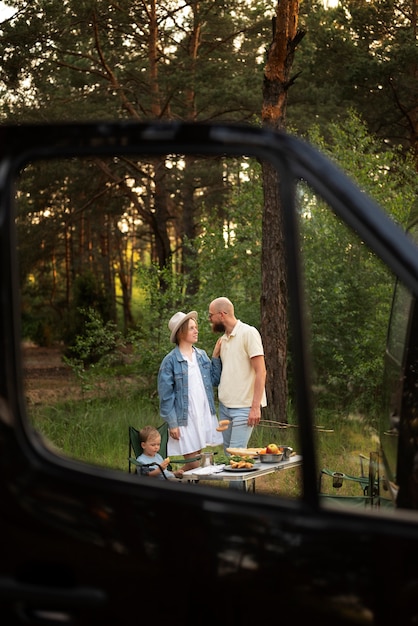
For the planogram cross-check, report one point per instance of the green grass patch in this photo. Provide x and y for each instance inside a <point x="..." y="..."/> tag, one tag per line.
<point x="94" y="429"/>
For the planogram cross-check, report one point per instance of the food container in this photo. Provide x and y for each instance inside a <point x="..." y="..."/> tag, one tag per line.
<point x="206" y="459"/>
<point x="287" y="451"/>
<point x="271" y="458"/>
<point x="276" y="458"/>
<point x="337" y="479"/>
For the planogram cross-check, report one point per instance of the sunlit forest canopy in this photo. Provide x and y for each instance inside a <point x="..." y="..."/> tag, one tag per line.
<point x="136" y="240"/>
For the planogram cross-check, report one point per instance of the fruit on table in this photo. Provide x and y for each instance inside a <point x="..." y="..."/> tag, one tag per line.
<point x="272" y="448"/>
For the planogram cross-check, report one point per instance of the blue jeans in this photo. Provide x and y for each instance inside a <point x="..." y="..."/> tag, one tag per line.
<point x="237" y="434"/>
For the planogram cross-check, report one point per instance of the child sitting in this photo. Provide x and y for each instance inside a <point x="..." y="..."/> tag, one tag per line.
<point x="152" y="463"/>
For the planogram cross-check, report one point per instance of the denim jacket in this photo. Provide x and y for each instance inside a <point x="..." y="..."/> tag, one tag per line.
<point x="173" y="389"/>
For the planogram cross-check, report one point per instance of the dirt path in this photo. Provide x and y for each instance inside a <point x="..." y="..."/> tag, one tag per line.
<point x="47" y="378"/>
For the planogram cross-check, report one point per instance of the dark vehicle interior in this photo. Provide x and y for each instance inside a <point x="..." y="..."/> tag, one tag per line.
<point x="398" y="428"/>
<point x="84" y="543"/>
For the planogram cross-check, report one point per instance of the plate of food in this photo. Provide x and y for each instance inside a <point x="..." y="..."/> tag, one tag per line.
<point x="229" y="468"/>
<point x="240" y="463"/>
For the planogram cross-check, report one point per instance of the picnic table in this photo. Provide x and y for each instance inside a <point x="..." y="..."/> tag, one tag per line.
<point x="248" y="477"/>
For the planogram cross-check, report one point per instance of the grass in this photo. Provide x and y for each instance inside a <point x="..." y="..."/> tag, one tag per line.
<point x="91" y="424"/>
<point x="95" y="430"/>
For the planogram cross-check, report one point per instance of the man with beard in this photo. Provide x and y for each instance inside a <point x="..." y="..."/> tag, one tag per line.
<point x="241" y="390"/>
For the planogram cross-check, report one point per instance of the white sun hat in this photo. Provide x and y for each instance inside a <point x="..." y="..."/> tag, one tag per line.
<point x="177" y="320"/>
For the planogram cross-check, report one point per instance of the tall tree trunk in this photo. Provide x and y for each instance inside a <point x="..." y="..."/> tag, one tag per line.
<point x="274" y="322"/>
<point x="162" y="240"/>
<point x="123" y="254"/>
<point x="188" y="228"/>
<point x="188" y="222"/>
<point x="413" y="116"/>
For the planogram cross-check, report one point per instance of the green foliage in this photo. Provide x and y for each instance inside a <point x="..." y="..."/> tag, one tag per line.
<point x="118" y="76"/>
<point x="150" y="339"/>
<point x="228" y="263"/>
<point x="358" y="55"/>
<point x="387" y="174"/>
<point x="230" y="251"/>
<point x="40" y="324"/>
<point x="348" y="289"/>
<point x="349" y="292"/>
<point x="88" y="301"/>
<point x="100" y="344"/>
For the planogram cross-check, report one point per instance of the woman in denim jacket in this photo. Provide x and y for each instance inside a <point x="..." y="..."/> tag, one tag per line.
<point x="185" y="387"/>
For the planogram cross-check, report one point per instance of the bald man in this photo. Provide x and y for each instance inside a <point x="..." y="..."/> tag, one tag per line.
<point x="241" y="390"/>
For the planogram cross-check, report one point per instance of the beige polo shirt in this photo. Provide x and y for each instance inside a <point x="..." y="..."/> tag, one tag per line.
<point x="236" y="388"/>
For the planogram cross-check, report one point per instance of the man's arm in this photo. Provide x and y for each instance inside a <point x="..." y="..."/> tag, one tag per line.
<point x="259" y="365"/>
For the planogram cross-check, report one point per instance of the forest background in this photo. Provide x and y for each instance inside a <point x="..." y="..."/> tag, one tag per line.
<point x="352" y="92"/>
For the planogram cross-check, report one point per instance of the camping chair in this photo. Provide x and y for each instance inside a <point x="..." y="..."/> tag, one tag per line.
<point x="135" y="448"/>
<point x="369" y="484"/>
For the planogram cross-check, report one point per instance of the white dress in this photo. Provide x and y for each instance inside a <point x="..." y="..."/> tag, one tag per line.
<point x="201" y="424"/>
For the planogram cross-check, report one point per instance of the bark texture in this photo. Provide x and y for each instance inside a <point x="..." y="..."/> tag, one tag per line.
<point x="274" y="321"/>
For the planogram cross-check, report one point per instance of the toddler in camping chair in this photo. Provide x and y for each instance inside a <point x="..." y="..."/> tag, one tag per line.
<point x="151" y="462"/>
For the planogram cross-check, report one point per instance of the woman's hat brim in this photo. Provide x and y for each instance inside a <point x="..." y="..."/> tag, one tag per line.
<point x="174" y="324"/>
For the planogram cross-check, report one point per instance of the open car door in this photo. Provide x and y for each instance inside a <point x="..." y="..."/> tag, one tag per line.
<point x="82" y="544"/>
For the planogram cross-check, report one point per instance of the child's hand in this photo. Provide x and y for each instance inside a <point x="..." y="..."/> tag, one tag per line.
<point x="179" y="473"/>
